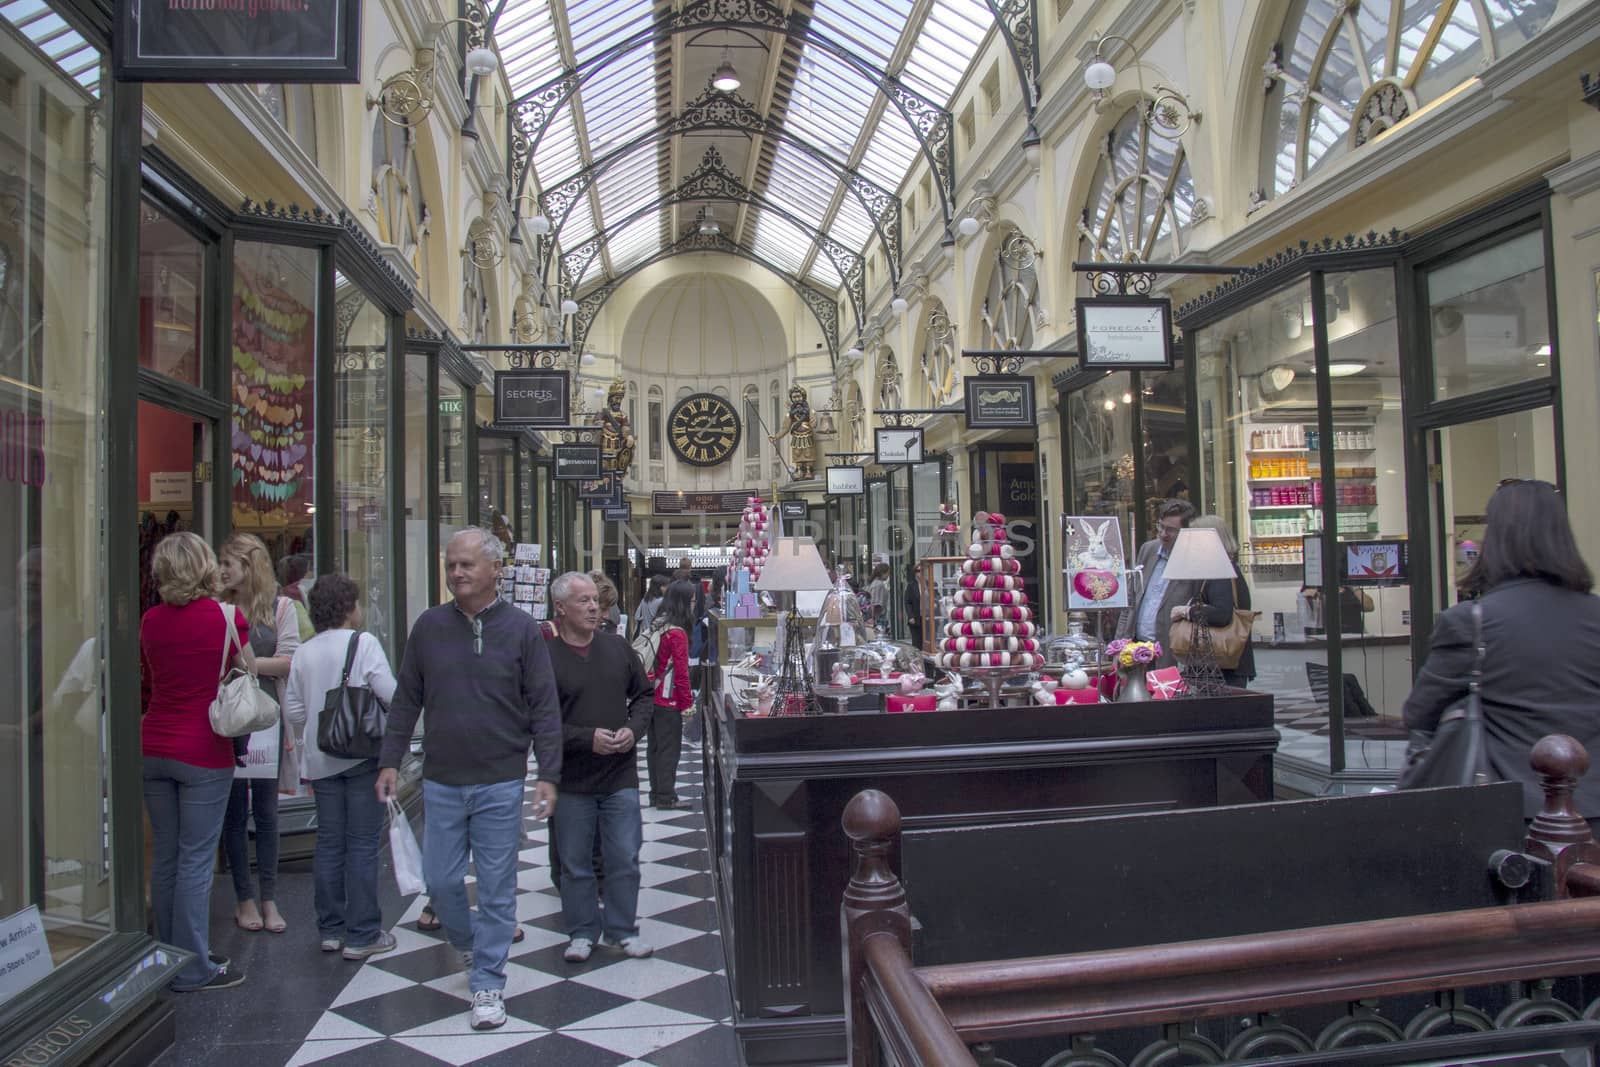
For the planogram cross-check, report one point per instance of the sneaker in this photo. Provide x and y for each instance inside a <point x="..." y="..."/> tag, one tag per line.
<point x="385" y="943"/>
<point x="636" y="947"/>
<point x="332" y="944"/>
<point x="219" y="960"/>
<point x="488" y="1009"/>
<point x="578" y="950"/>
<point x="226" y="978"/>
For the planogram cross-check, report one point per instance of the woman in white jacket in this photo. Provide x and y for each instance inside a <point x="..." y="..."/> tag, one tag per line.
<point x="349" y="817"/>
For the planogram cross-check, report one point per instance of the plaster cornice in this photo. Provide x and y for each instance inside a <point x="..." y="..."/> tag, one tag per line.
<point x="1577" y="178"/>
<point x="245" y="106"/>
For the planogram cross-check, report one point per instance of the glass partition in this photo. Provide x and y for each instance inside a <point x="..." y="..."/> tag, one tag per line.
<point x="361" y="419"/>
<point x="1163" y="425"/>
<point x="1100" y="429"/>
<point x="452" y="465"/>
<point x="418" y="504"/>
<point x="1489" y="318"/>
<point x="171" y="281"/>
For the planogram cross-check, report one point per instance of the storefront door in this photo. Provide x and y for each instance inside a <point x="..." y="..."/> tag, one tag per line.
<point x="176" y="477"/>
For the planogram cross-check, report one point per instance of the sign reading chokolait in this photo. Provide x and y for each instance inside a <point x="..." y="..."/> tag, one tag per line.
<point x="532" y="397"/>
<point x="999" y="401"/>
<point x="238" y="40"/>
<point x="898" y="444"/>
<point x="576" y="462"/>
<point x="727" y="503"/>
<point x="1125" y="332"/>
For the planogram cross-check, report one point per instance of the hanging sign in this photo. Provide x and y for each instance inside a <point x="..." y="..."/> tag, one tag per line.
<point x="595" y="490"/>
<point x="618" y="514"/>
<point x="238" y="41"/>
<point x="1125" y="333"/>
<point x="896" y="445"/>
<point x="793" y="511"/>
<point x="846" y="481"/>
<point x="576" y="462"/>
<point x="999" y="402"/>
<point x="726" y="503"/>
<point x="532" y="397"/>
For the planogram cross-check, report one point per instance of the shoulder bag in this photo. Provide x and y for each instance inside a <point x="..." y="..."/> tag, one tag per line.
<point x="1227" y="642"/>
<point x="1453" y="754"/>
<point x="240" y="707"/>
<point x="353" y="718"/>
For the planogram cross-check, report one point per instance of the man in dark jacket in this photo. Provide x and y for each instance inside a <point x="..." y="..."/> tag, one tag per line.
<point x="482" y="669"/>
<point x="605" y="706"/>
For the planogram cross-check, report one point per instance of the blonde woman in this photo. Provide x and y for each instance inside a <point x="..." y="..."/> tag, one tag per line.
<point x="249" y="584"/>
<point x="188" y="769"/>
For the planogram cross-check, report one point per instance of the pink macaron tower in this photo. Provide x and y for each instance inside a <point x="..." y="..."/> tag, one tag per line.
<point x="754" y="542"/>
<point x="991" y="624"/>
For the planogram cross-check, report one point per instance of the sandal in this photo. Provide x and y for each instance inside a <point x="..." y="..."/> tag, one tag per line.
<point x="272" y="921"/>
<point x="428" y="920"/>
<point x="252" y="922"/>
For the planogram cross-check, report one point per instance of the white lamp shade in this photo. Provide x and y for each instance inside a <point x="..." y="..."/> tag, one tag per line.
<point x="899" y="304"/>
<point x="539" y="225"/>
<point x="793" y="566"/>
<point x="1099" y="75"/>
<point x="481" y="61"/>
<point x="726" y="79"/>
<point x="852" y="352"/>
<point x="587" y="359"/>
<point x="1198" y="555"/>
<point x="569" y="307"/>
<point x="968" y="226"/>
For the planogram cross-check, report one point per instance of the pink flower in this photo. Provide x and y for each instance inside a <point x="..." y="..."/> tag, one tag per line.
<point x="1144" y="653"/>
<point x="1116" y="647"/>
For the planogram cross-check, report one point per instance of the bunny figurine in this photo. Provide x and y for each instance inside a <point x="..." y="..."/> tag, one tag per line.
<point x="911" y="683"/>
<point x="949" y="693"/>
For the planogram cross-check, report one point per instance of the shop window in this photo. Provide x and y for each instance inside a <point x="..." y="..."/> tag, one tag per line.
<point x="1100" y="431"/>
<point x="1142" y="199"/>
<point x="497" y="485"/>
<point x="361" y="414"/>
<point x="273" y="395"/>
<point x="1013" y="295"/>
<point x="891" y="388"/>
<point x="171" y="281"/>
<point x="940" y="359"/>
<point x="418" y="509"/>
<point x="453" y="417"/>
<point x="397" y="194"/>
<point x="1489" y="319"/>
<point x="655" y="405"/>
<point x="1343" y="73"/>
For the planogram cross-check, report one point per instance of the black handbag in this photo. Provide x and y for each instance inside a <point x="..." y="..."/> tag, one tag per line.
<point x="353" y="718"/>
<point x="1454" y="753"/>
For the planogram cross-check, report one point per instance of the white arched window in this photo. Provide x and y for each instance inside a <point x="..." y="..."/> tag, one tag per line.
<point x="1012" y="300"/>
<point x="940" y="358"/>
<point x="1142" y="198"/>
<point x="891" y="386"/>
<point x="475" y="283"/>
<point x="1341" y="73"/>
<point x="292" y="107"/>
<point x="655" y="400"/>
<point x="397" y="201"/>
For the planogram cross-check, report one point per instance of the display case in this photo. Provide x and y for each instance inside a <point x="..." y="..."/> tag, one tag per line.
<point x="939" y="577"/>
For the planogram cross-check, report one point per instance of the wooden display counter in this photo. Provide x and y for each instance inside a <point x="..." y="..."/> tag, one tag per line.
<point x="776" y="788"/>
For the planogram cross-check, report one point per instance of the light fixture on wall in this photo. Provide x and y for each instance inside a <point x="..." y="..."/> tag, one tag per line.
<point x="1166" y="110"/>
<point x="725" y="79"/>
<point x="586" y="360"/>
<point x="978" y="213"/>
<point x="407" y="98"/>
<point x="569" y="307"/>
<point x="900" y="305"/>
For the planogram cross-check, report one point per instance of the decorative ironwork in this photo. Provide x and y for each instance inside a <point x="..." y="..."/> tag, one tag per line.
<point x="1289" y="259"/>
<point x="341" y="221"/>
<point x="1012" y="303"/>
<point x="406" y="98"/>
<point x="1018" y="21"/>
<point x="1005" y="362"/>
<point x="548" y="357"/>
<point x="1120" y="282"/>
<point x="1591" y="90"/>
<point x="573" y="435"/>
<point x="905" y="418"/>
<point x="941" y="363"/>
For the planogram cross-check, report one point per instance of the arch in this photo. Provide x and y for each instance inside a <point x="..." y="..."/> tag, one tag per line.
<point x="890" y="383"/>
<point x="939" y="355"/>
<point x="399" y="198"/>
<point x="1141" y="198"/>
<point x="1005" y="296"/>
<point x="667" y="332"/>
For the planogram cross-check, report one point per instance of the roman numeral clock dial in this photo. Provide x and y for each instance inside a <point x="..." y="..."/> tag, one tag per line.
<point x="703" y="429"/>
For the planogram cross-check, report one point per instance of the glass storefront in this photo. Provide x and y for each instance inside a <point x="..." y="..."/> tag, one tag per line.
<point x="361" y="421"/>
<point x="452" y="463"/>
<point x="171" y="294"/>
<point x="1100" y="448"/>
<point x="418" y="501"/>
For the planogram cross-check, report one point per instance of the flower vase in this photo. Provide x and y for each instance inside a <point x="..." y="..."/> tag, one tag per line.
<point x="1133" y="689"/>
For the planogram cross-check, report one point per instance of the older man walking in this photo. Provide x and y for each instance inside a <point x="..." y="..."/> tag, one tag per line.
<point x="482" y="670"/>
<point x="605" y="705"/>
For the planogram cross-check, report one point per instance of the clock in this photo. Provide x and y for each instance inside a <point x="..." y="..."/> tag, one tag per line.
<point x="703" y="429"/>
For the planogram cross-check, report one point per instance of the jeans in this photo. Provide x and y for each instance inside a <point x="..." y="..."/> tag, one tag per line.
<point x="260" y="794"/>
<point x="186" y="805"/>
<point x="664" y="746"/>
<point x="621" y="835"/>
<point x="345" y="867"/>
<point x="487" y="820"/>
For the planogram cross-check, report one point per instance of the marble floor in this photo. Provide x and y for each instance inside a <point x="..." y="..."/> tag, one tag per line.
<point x="409" y="1007"/>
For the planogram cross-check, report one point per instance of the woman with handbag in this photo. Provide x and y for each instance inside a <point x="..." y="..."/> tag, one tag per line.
<point x="674" y="693"/>
<point x="187" y="645"/>
<point x="249" y="584"/>
<point x="1539" y="631"/>
<point x="324" y="680"/>
<point x="1223" y="597"/>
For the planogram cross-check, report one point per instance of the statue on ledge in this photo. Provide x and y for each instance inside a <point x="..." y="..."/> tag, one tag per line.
<point x="616" y="435"/>
<point x="800" y="431"/>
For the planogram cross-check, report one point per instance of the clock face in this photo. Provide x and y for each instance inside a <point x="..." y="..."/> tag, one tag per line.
<point x="703" y="429"/>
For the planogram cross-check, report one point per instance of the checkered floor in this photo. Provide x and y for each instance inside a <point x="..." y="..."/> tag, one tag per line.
<point x="410" y="1006"/>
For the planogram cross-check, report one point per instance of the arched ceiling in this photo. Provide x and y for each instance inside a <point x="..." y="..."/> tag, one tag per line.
<point x="704" y="325"/>
<point x="846" y="94"/>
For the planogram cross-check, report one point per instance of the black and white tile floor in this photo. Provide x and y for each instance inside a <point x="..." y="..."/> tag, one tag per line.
<point x="410" y="1007"/>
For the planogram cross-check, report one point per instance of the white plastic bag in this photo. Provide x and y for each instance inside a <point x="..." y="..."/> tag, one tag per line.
<point x="407" y="854"/>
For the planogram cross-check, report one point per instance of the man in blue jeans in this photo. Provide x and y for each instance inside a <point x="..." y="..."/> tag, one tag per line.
<point x="606" y="701"/>
<point x="481" y="668"/>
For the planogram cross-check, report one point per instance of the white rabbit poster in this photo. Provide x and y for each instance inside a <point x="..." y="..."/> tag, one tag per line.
<point x="1096" y="564"/>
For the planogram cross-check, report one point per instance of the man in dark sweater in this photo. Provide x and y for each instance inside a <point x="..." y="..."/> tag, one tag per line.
<point x="482" y="670"/>
<point x="605" y="705"/>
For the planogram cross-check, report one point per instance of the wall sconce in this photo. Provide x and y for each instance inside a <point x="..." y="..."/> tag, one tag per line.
<point x="1167" y="111"/>
<point x="978" y="213"/>
<point x="899" y="305"/>
<point x="406" y="98"/>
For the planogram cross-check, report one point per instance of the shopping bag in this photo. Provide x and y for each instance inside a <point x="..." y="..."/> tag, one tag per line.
<point x="261" y="759"/>
<point x="407" y="854"/>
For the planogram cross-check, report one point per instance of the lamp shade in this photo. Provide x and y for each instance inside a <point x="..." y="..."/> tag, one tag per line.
<point x="1198" y="555"/>
<point x="794" y="566"/>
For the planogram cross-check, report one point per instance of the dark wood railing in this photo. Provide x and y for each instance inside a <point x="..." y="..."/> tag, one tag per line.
<point x="903" y="1015"/>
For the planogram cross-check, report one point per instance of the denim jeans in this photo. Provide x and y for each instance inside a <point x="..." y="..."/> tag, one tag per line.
<point x="261" y="795"/>
<point x="186" y="805"/>
<point x="621" y="834"/>
<point x="344" y="868"/>
<point x="487" y="821"/>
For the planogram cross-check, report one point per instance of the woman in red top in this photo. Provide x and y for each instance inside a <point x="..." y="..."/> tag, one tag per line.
<point x="674" y="694"/>
<point x="188" y="769"/>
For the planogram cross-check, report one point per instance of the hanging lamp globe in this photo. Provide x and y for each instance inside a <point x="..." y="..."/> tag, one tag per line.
<point x="569" y="307"/>
<point x="725" y="79"/>
<point x="482" y="62"/>
<point x="1099" y="75"/>
<point x="539" y="225"/>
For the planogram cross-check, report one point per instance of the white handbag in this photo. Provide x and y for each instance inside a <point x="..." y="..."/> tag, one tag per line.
<point x="240" y="707"/>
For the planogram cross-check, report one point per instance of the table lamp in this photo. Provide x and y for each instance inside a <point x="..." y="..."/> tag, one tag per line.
<point x="794" y="565"/>
<point x="1199" y="556"/>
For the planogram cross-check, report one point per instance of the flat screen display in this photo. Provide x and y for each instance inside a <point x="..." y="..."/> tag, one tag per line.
<point x="1374" y="562"/>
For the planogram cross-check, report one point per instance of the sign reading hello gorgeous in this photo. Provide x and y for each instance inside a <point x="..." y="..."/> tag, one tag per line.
<point x="238" y="40"/>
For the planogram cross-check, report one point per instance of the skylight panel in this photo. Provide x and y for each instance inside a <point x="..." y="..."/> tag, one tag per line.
<point x="805" y="187"/>
<point x="891" y="150"/>
<point x="636" y="242"/>
<point x="579" y="226"/>
<point x="824" y="273"/>
<point x="829" y="103"/>
<point x="525" y="35"/>
<point x="598" y="25"/>
<point x="66" y="49"/>
<point x="778" y="241"/>
<point x="629" y="184"/>
<point x="949" y="39"/>
<point x="558" y="155"/>
<point x="619" y="104"/>
<point x="873" y="26"/>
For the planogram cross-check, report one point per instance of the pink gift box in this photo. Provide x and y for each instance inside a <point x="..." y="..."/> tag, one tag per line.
<point x="1165" y="684"/>
<point x="1091" y="695"/>
<point x="920" y="702"/>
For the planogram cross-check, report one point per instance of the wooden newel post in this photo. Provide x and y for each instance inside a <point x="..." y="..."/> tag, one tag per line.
<point x="1558" y="833"/>
<point x="874" y="906"/>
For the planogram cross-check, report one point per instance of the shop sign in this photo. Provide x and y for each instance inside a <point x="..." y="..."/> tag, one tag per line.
<point x="897" y="445"/>
<point x="171" y="487"/>
<point x="24" y="952"/>
<point x="369" y="516"/>
<point x="531" y="397"/>
<point x="728" y="503"/>
<point x="595" y="490"/>
<point x="846" y="481"/>
<point x="576" y="462"/>
<point x="999" y="402"/>
<point x="618" y="514"/>
<point x="1019" y="489"/>
<point x="793" y="511"/>
<point x="1125" y="333"/>
<point x="238" y="41"/>
<point x="452" y="405"/>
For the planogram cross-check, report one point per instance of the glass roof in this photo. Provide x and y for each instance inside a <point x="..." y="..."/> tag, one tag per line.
<point x="64" y="46"/>
<point x="628" y="81"/>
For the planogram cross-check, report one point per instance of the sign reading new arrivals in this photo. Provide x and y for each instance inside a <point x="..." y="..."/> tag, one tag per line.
<point x="238" y="41"/>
